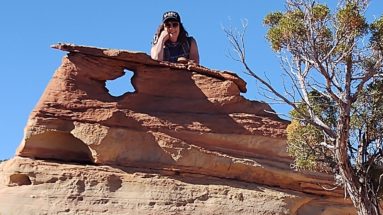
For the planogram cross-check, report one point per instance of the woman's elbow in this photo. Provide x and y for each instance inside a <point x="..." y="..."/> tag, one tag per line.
<point x="153" y="54"/>
<point x="194" y="54"/>
<point x="196" y="59"/>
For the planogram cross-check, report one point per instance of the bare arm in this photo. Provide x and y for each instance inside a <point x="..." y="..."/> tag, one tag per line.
<point x="194" y="55"/>
<point x="157" y="51"/>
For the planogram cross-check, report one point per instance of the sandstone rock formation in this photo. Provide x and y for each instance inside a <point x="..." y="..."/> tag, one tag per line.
<point x="184" y="142"/>
<point x="40" y="187"/>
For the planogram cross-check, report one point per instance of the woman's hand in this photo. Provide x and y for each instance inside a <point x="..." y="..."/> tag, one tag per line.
<point x="164" y="36"/>
<point x="156" y="51"/>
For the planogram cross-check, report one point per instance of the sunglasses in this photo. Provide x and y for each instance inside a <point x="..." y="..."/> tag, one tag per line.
<point x="171" y="24"/>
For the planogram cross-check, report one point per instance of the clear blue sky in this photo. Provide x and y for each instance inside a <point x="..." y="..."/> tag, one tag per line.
<point x="28" y="28"/>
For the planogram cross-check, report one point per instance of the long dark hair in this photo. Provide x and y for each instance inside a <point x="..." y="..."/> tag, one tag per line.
<point x="182" y="37"/>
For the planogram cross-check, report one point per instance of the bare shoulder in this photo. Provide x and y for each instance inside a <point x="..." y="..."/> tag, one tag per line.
<point x="194" y="55"/>
<point x="192" y="40"/>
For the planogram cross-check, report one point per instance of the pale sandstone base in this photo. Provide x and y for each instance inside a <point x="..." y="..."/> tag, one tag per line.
<point x="30" y="186"/>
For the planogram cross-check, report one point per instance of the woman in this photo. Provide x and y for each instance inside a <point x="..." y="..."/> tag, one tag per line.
<point x="172" y="42"/>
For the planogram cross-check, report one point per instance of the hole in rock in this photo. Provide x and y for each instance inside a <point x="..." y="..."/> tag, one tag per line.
<point x="57" y="145"/>
<point x="19" y="179"/>
<point x="121" y="85"/>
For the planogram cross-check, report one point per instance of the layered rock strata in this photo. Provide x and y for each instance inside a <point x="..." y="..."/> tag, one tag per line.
<point x="33" y="187"/>
<point x="182" y="119"/>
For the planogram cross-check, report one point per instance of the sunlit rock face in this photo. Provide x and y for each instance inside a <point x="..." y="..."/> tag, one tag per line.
<point x="185" y="141"/>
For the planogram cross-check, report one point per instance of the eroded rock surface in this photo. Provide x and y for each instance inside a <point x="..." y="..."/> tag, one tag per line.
<point x="59" y="188"/>
<point x="186" y="124"/>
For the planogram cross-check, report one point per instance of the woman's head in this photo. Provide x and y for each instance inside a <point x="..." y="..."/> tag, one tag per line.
<point x="171" y="22"/>
<point x="171" y="16"/>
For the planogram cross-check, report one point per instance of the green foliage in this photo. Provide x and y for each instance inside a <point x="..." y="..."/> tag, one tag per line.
<point x="323" y="35"/>
<point x="377" y="34"/>
<point x="324" y="40"/>
<point x="368" y="63"/>
<point x="368" y="113"/>
<point x="274" y="35"/>
<point x="289" y="28"/>
<point x="272" y="19"/>
<point x="321" y="105"/>
<point x="351" y="21"/>
<point x="303" y="139"/>
<point x="320" y="12"/>
<point x="293" y="27"/>
<point x="367" y="121"/>
<point x="284" y="28"/>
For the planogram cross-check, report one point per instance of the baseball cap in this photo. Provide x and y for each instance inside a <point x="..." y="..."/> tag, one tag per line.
<point x="171" y="15"/>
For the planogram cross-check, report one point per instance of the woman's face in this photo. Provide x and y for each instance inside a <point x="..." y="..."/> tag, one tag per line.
<point x="173" y="28"/>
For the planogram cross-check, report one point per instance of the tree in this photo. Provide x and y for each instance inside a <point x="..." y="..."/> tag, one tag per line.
<point x="334" y="62"/>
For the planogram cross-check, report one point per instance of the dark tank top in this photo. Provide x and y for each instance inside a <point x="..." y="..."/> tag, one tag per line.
<point x="172" y="51"/>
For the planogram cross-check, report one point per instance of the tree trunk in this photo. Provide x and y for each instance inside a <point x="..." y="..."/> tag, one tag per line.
<point x="364" y="201"/>
<point x="368" y="205"/>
